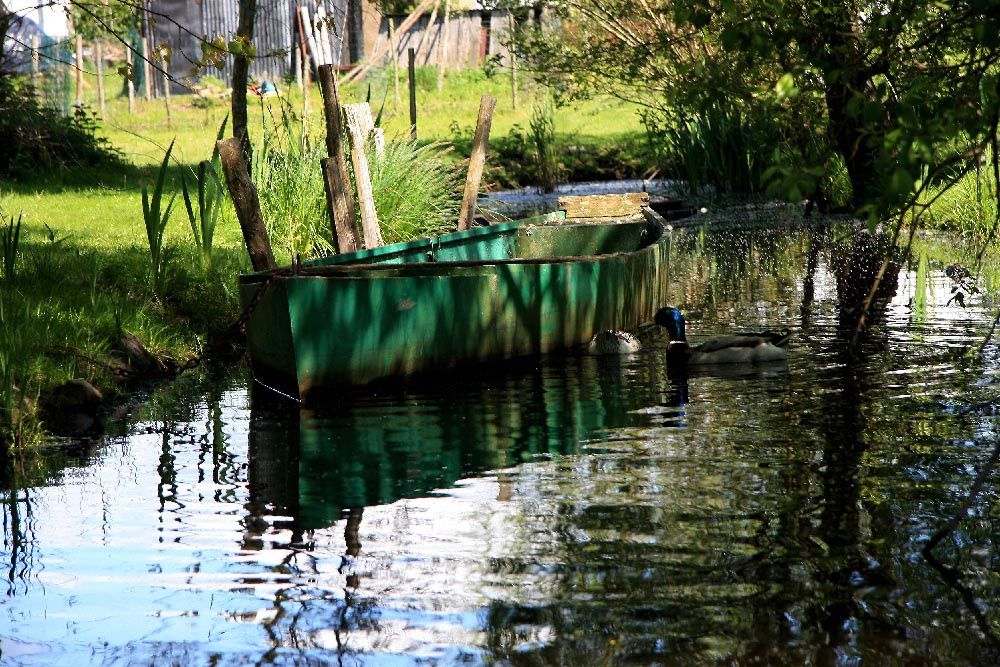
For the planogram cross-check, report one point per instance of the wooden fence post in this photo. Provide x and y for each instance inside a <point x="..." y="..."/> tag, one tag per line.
<point x="130" y="81"/>
<point x="513" y="63"/>
<point x="36" y="47"/>
<point x="246" y="203"/>
<point x="339" y="197"/>
<point x="147" y="71"/>
<point x="79" y="69"/>
<point x="99" y="58"/>
<point x="354" y="115"/>
<point x="166" y="91"/>
<point x="479" y="143"/>
<point x="412" y="56"/>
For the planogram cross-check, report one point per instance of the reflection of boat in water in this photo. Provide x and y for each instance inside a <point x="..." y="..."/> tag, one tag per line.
<point x="314" y="464"/>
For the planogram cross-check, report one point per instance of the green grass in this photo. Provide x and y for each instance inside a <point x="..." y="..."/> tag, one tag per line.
<point x="970" y="206"/>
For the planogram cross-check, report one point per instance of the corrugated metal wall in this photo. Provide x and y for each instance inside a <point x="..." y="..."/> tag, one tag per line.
<point x="277" y="27"/>
<point x="274" y="29"/>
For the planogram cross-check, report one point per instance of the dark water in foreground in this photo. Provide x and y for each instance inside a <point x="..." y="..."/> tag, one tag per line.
<point x="575" y="510"/>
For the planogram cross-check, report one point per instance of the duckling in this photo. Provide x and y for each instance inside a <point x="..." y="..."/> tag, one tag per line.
<point x="744" y="348"/>
<point x="613" y="342"/>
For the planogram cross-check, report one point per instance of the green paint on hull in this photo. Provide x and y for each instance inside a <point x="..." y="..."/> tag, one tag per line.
<point x="486" y="294"/>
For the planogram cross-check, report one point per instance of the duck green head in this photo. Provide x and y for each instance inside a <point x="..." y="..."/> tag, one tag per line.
<point x="672" y="320"/>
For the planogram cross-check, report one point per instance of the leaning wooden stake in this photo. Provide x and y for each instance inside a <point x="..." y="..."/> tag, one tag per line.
<point x="36" y="51"/>
<point x="377" y="54"/>
<point x="247" y="205"/>
<point x="426" y="37"/>
<point x="442" y="50"/>
<point x="412" y="56"/>
<point x="354" y="114"/>
<point x="477" y="161"/>
<point x="395" y="57"/>
<point x="339" y="197"/>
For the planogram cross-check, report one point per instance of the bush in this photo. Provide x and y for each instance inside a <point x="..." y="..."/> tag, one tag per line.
<point x="37" y="139"/>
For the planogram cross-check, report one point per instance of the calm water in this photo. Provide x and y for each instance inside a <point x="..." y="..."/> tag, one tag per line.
<point x="573" y="510"/>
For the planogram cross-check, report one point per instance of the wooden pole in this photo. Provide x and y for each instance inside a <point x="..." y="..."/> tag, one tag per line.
<point x="513" y="62"/>
<point x="306" y="72"/>
<point x="166" y="92"/>
<point x="411" y="57"/>
<point x="303" y="49"/>
<point x="247" y="205"/>
<point x="147" y="71"/>
<point x="99" y="56"/>
<point x="36" y="46"/>
<point x="339" y="197"/>
<point x="353" y="114"/>
<point x="298" y="73"/>
<point x="395" y="57"/>
<point x="310" y="36"/>
<point x="479" y="143"/>
<point x="130" y="81"/>
<point x="79" y="69"/>
<point x="442" y="50"/>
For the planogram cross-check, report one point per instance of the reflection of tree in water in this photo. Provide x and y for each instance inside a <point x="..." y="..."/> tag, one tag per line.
<point x="857" y="264"/>
<point x="808" y="563"/>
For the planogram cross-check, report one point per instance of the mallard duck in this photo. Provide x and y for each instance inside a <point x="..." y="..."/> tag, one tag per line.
<point x="613" y="342"/>
<point x="743" y="348"/>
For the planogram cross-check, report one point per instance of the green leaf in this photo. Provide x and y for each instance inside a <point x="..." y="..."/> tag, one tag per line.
<point x="901" y="182"/>
<point x="785" y="87"/>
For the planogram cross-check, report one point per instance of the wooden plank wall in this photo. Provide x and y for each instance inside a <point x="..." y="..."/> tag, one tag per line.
<point x="465" y="35"/>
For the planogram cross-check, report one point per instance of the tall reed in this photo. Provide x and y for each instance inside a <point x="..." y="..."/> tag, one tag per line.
<point x="719" y="146"/>
<point x="156" y="223"/>
<point x="10" y="239"/>
<point x="542" y="127"/>
<point x="210" y="197"/>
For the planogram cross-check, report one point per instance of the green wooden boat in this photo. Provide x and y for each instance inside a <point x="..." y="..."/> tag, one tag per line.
<point x="489" y="293"/>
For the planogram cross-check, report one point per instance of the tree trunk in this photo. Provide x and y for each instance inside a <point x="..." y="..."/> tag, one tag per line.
<point x="853" y="141"/>
<point x="241" y="77"/>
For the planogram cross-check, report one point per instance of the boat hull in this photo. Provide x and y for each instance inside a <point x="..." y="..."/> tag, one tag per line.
<point x="350" y="323"/>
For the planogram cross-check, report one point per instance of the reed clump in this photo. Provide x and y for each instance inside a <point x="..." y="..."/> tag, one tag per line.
<point x="417" y="189"/>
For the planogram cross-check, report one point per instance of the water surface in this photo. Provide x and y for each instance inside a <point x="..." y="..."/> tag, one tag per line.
<point x="572" y="509"/>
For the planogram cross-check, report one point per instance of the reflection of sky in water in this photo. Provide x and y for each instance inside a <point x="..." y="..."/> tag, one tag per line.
<point x="580" y="510"/>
